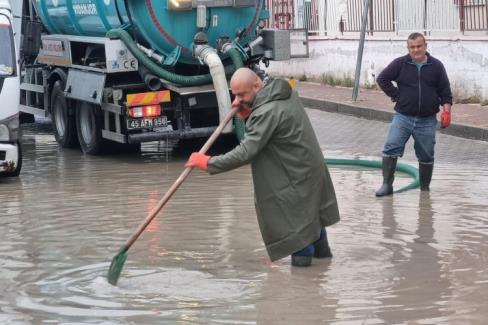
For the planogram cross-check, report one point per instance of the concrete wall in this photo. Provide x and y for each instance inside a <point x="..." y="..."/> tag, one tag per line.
<point x="466" y="61"/>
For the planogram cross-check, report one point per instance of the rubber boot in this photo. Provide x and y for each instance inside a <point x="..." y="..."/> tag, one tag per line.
<point x="389" y="165"/>
<point x="303" y="257"/>
<point x="425" y="175"/>
<point x="321" y="246"/>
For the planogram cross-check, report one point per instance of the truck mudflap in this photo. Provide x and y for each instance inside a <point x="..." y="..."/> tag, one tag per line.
<point x="176" y="134"/>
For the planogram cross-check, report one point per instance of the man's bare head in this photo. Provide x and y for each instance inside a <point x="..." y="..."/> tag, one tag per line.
<point x="417" y="47"/>
<point x="244" y="76"/>
<point x="245" y="84"/>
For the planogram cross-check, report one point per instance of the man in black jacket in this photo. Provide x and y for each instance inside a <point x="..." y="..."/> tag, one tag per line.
<point x="421" y="87"/>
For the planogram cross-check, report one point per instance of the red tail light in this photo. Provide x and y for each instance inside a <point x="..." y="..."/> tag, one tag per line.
<point x="145" y="111"/>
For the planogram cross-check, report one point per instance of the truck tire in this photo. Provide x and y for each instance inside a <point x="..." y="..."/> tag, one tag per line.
<point x="129" y="148"/>
<point x="64" y="125"/>
<point x="25" y="118"/>
<point x="89" y="126"/>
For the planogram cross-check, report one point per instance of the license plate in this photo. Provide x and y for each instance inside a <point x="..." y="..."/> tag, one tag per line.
<point x="142" y="123"/>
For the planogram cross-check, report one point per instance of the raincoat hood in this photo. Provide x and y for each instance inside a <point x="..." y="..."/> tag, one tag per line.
<point x="275" y="89"/>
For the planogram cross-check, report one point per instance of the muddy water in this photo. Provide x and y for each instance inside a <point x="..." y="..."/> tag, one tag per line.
<point x="418" y="258"/>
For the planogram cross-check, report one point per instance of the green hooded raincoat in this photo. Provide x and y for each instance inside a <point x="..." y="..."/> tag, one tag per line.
<point x="294" y="194"/>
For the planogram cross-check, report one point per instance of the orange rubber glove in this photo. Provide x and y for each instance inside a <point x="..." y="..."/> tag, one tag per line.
<point x="198" y="160"/>
<point x="445" y="119"/>
<point x="244" y="112"/>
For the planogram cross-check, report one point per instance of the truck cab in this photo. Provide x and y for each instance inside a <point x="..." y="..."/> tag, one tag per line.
<point x="10" y="150"/>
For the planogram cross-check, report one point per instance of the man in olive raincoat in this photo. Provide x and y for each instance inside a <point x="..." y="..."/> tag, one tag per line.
<point x="294" y="194"/>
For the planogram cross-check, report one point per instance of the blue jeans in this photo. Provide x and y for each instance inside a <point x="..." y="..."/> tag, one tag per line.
<point x="422" y="129"/>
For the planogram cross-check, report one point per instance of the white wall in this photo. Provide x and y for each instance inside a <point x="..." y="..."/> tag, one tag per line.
<point x="466" y="61"/>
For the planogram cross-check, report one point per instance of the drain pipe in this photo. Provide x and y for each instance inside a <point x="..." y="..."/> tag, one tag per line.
<point x="209" y="56"/>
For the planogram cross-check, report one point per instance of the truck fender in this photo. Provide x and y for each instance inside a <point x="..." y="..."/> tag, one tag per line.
<point x="53" y="76"/>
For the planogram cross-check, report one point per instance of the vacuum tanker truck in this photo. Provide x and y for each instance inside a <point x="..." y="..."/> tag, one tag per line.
<point x="131" y="71"/>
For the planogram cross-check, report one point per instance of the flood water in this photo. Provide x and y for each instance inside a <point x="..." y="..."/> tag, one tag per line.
<point x="416" y="258"/>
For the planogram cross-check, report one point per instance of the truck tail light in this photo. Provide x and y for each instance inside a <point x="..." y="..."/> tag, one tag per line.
<point x="145" y="111"/>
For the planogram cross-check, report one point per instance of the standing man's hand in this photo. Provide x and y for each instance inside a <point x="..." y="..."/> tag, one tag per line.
<point x="446" y="116"/>
<point x="198" y="160"/>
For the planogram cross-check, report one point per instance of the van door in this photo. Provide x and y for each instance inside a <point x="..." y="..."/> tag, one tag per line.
<point x="7" y="50"/>
<point x="10" y="152"/>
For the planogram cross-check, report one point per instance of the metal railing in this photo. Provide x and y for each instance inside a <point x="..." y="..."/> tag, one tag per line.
<point x="298" y="14"/>
<point x="320" y="17"/>
<point x="380" y="18"/>
<point x="473" y="15"/>
<point x="281" y="14"/>
<point x="427" y="16"/>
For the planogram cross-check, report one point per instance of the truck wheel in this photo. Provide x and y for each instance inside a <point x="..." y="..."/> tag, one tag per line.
<point x="63" y="122"/>
<point x="25" y="118"/>
<point x="89" y="126"/>
<point x="116" y="148"/>
<point x="130" y="148"/>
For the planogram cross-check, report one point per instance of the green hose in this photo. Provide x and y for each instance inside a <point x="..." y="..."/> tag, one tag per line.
<point x="236" y="58"/>
<point x="239" y="124"/>
<point x="152" y="66"/>
<point x="240" y="128"/>
<point x="412" y="171"/>
<point x="159" y="71"/>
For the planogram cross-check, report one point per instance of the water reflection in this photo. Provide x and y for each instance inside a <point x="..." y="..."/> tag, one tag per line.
<point x="411" y="258"/>
<point x="295" y="296"/>
<point x="418" y="286"/>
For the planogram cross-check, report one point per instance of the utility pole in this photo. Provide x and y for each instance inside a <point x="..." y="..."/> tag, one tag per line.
<point x="357" y="75"/>
<point x="425" y="17"/>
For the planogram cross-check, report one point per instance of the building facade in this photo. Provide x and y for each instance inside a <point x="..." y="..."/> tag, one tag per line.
<point x="456" y="32"/>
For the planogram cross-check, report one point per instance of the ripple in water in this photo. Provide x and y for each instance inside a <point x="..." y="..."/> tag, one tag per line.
<point x="85" y="291"/>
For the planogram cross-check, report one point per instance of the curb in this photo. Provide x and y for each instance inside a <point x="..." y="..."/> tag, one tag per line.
<point x="457" y="130"/>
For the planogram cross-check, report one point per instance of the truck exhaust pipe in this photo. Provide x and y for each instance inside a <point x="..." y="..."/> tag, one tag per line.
<point x="152" y="82"/>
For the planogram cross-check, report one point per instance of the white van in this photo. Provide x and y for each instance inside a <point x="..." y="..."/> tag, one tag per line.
<point x="10" y="151"/>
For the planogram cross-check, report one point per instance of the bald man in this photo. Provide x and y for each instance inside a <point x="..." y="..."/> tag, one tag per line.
<point x="294" y="194"/>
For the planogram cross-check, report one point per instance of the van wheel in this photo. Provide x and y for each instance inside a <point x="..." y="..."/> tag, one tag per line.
<point x="63" y="120"/>
<point x="17" y="169"/>
<point x="89" y="122"/>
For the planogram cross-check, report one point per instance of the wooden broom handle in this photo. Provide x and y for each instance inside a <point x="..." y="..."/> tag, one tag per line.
<point x="178" y="181"/>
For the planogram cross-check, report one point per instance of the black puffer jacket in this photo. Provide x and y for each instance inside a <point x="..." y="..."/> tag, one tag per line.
<point x="418" y="92"/>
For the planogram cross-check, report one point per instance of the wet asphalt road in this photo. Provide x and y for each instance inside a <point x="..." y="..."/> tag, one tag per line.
<point x="411" y="258"/>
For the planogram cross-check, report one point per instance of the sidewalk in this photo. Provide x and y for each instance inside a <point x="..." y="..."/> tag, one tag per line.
<point x="468" y="120"/>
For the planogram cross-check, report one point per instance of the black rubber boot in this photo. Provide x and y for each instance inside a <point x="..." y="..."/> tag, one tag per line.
<point x="425" y="175"/>
<point x="389" y="165"/>
<point x="322" y="248"/>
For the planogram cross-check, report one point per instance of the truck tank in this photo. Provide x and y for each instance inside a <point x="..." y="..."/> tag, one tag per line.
<point x="167" y="26"/>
